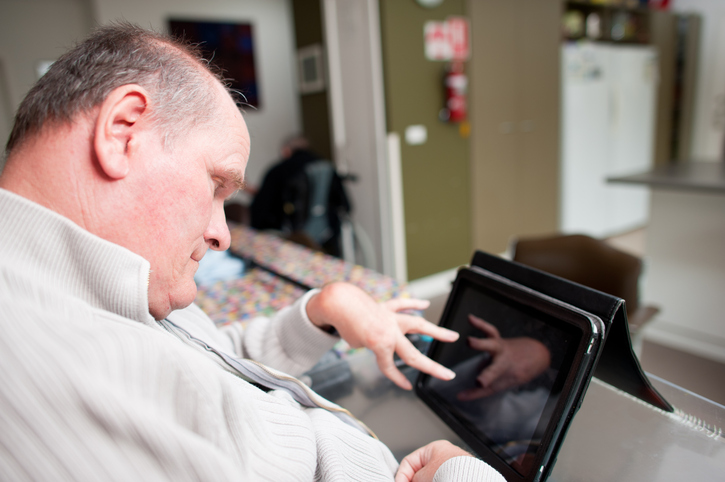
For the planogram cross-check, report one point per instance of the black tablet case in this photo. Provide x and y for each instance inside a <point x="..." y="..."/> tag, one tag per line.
<point x="618" y="365"/>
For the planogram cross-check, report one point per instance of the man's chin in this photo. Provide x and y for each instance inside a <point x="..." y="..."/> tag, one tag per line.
<point x="184" y="300"/>
<point x="174" y="302"/>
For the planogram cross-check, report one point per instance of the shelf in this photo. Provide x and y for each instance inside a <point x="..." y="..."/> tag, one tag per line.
<point x="625" y="23"/>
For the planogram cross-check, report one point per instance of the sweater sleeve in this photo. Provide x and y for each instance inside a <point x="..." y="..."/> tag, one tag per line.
<point x="466" y="469"/>
<point x="288" y="341"/>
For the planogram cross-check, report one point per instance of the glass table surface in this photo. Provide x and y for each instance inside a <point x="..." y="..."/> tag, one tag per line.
<point x="614" y="436"/>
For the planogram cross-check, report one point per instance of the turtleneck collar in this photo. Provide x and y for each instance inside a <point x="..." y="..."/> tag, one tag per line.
<point x="55" y="251"/>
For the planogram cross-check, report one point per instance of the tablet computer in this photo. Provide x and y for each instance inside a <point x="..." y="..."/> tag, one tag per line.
<point x="522" y="363"/>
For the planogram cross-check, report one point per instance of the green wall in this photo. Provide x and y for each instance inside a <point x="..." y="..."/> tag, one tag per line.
<point x="314" y="107"/>
<point x="435" y="174"/>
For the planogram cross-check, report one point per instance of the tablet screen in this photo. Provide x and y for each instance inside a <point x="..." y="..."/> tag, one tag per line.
<point x="511" y="362"/>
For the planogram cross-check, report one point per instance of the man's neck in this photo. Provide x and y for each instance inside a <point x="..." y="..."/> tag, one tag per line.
<point x="50" y="168"/>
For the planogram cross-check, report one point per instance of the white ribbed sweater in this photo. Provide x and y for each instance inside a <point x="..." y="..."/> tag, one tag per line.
<point x="92" y="388"/>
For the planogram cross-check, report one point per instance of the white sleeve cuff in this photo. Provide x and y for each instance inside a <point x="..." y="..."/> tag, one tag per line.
<point x="466" y="469"/>
<point x="288" y="341"/>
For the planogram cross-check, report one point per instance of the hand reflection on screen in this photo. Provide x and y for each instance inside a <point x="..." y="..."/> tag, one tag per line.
<point x="514" y="361"/>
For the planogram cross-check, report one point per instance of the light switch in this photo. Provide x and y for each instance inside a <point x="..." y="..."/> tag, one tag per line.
<point x="416" y="135"/>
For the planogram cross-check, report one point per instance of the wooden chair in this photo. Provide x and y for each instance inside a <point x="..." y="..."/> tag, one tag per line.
<point x="590" y="262"/>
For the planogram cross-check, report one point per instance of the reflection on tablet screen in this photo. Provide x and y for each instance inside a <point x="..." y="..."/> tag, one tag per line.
<point x="511" y="362"/>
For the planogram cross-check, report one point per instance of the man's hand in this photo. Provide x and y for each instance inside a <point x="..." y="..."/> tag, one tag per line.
<point x="515" y="361"/>
<point x="380" y="327"/>
<point x="421" y="465"/>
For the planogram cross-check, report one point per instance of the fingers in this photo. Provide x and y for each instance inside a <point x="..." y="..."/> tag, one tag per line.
<point x="473" y="394"/>
<point x="489" y="383"/>
<point x="388" y="368"/>
<point x="414" y="358"/>
<point x="410" y="355"/>
<point x="484" y="326"/>
<point x="410" y="465"/>
<point x="490" y="345"/>
<point x="400" y="304"/>
<point x="423" y="464"/>
<point x="491" y="374"/>
<point x="386" y="336"/>
<point x="416" y="324"/>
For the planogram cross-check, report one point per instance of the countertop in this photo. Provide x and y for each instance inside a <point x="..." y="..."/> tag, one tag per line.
<point x="706" y="177"/>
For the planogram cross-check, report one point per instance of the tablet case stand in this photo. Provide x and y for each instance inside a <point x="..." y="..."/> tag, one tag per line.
<point x="618" y="365"/>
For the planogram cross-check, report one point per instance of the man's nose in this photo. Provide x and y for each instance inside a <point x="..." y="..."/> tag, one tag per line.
<point x="217" y="233"/>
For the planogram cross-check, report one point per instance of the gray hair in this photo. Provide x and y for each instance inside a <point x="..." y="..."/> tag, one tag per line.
<point x="174" y="73"/>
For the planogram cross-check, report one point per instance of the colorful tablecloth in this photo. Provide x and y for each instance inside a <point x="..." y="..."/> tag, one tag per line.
<point x="257" y="293"/>
<point x="260" y="292"/>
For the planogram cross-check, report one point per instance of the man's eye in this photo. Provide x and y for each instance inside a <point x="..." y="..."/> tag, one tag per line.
<point x="218" y="185"/>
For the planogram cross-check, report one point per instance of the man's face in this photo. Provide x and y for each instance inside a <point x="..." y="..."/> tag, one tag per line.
<point x="182" y="212"/>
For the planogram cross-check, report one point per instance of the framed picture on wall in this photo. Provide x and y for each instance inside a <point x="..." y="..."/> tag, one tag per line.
<point x="311" y="69"/>
<point x="230" y="47"/>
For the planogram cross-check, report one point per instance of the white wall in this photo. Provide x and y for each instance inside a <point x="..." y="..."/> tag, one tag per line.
<point x="709" y="121"/>
<point x="685" y="272"/>
<point x="31" y="31"/>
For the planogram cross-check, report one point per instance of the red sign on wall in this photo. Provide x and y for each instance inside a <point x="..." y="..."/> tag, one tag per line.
<point x="448" y="40"/>
<point x="458" y="37"/>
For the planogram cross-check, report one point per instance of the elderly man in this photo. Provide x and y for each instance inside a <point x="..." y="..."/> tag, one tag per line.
<point x="117" y="169"/>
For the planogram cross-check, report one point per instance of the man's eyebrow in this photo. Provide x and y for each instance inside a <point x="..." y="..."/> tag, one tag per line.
<point x="235" y="177"/>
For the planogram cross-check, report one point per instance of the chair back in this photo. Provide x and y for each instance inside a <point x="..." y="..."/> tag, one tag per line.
<point x="587" y="261"/>
<point x="319" y="180"/>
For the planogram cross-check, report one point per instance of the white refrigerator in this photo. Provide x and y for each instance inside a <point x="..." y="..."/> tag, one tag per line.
<point x="608" y="128"/>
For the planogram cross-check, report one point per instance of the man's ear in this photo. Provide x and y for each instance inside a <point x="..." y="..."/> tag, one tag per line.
<point x="117" y="128"/>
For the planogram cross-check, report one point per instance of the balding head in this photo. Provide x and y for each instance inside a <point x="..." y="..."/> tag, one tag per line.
<point x="175" y="75"/>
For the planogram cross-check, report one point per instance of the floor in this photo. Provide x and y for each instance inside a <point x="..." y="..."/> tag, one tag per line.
<point x="700" y="375"/>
